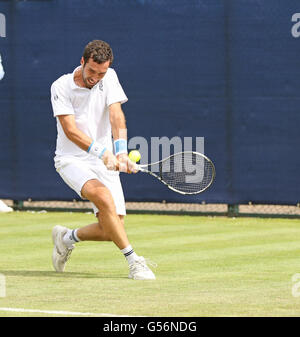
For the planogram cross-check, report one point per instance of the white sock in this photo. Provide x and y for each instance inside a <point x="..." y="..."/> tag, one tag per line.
<point x="129" y="254"/>
<point x="70" y="238"/>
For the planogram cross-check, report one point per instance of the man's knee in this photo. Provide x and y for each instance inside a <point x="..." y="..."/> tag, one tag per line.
<point x="104" y="202"/>
<point x="99" y="194"/>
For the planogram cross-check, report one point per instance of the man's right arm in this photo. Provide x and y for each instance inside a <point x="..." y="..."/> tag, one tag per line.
<point x="85" y="142"/>
<point x="73" y="133"/>
<point x="63" y="110"/>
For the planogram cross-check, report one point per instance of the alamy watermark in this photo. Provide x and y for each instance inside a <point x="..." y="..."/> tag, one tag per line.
<point x="163" y="147"/>
<point x="296" y="27"/>
<point x="2" y="25"/>
<point x="160" y="147"/>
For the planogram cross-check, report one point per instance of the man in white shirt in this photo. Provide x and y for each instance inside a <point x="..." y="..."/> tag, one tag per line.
<point x="3" y="207"/>
<point x="87" y="107"/>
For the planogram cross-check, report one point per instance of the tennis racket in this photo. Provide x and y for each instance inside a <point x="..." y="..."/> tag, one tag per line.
<point x="183" y="172"/>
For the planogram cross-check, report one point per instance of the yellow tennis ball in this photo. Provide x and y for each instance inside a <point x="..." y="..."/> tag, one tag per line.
<point x="134" y="156"/>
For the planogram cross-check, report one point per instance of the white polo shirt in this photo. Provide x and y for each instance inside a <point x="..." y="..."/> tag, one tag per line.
<point x="90" y="107"/>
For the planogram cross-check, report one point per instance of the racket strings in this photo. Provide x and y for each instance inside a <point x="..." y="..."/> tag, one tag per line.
<point x="188" y="173"/>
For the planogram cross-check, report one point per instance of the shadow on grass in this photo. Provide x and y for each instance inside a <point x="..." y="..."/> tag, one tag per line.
<point x="40" y="273"/>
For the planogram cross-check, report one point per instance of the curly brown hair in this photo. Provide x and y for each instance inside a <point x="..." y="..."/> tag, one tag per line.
<point x="99" y="51"/>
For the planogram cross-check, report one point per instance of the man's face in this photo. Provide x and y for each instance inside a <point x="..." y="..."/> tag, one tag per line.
<point x="93" y="72"/>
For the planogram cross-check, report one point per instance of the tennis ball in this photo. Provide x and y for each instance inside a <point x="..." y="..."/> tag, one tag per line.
<point x="134" y="156"/>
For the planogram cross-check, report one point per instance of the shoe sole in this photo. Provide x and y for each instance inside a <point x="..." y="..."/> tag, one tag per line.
<point x="141" y="279"/>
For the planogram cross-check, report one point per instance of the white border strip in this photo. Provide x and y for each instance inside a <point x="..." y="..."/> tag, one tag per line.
<point x="55" y="312"/>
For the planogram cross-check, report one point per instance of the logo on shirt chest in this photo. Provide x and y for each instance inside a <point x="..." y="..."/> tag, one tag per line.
<point x="101" y="85"/>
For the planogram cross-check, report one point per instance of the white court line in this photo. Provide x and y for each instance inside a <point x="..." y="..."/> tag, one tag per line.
<point x="55" y="312"/>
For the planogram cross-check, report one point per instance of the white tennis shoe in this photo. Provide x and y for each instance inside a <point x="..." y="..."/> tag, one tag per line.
<point x="4" y="208"/>
<point x="61" y="252"/>
<point x="138" y="270"/>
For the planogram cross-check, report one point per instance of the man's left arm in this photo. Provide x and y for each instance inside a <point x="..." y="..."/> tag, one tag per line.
<point x="119" y="132"/>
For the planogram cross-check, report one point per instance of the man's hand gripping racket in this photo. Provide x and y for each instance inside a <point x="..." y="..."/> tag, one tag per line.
<point x="119" y="163"/>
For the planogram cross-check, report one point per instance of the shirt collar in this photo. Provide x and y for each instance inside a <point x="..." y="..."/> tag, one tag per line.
<point x="73" y="84"/>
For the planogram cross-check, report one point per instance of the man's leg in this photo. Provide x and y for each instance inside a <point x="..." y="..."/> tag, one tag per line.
<point x="95" y="231"/>
<point x="110" y="227"/>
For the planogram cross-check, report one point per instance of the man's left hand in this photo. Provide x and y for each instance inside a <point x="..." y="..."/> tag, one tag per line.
<point x="126" y="165"/>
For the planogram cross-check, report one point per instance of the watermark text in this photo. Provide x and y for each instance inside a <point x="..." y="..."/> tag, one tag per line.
<point x="296" y="27"/>
<point x="2" y="25"/>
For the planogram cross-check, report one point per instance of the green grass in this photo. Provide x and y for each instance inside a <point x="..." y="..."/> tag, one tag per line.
<point x="206" y="267"/>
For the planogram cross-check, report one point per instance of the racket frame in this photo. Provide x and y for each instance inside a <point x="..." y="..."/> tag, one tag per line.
<point x="142" y="168"/>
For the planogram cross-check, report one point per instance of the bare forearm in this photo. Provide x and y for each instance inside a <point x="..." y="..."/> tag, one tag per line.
<point x="79" y="138"/>
<point x="73" y="133"/>
<point x="83" y="141"/>
<point x="118" y="122"/>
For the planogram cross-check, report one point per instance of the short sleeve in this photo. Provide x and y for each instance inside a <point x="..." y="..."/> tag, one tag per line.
<point x="115" y="92"/>
<point x="61" y="103"/>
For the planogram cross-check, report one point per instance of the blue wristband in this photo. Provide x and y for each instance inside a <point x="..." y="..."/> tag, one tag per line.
<point x="88" y="150"/>
<point x="120" y="146"/>
<point x="102" y="152"/>
<point x="96" y="149"/>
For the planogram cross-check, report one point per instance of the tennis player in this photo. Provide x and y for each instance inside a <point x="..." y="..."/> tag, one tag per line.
<point x="87" y="107"/>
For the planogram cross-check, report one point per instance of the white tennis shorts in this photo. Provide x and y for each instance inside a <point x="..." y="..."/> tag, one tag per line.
<point x="76" y="173"/>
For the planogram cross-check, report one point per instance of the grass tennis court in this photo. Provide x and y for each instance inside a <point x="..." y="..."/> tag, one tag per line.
<point x="206" y="267"/>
